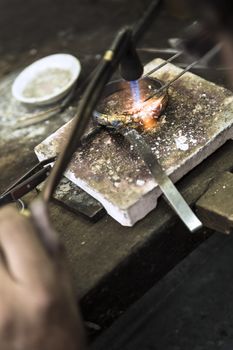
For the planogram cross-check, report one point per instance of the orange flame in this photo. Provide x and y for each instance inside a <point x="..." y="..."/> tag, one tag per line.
<point x="146" y="113"/>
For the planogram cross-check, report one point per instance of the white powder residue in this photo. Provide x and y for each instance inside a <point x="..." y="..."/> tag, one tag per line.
<point x="182" y="143"/>
<point x="140" y="182"/>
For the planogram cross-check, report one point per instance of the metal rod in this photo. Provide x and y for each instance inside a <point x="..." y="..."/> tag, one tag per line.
<point x="210" y="54"/>
<point x="169" y="51"/>
<point x="178" y="54"/>
<point x="165" y="86"/>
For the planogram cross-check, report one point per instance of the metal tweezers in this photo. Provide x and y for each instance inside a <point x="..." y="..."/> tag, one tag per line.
<point x="27" y="182"/>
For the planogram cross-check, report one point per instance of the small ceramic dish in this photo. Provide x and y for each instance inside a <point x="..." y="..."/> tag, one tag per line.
<point x="47" y="80"/>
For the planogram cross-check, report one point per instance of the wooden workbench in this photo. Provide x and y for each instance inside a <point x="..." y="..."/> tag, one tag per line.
<point x="112" y="265"/>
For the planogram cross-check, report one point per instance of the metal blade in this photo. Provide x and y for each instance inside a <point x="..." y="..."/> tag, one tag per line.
<point x="171" y="193"/>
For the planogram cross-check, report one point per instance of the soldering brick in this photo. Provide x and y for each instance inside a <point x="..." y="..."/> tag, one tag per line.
<point x="197" y="121"/>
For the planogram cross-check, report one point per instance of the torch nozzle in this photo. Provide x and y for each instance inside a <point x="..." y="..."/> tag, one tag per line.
<point x="131" y="68"/>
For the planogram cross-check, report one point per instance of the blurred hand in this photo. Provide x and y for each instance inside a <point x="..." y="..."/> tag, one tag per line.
<point x="37" y="306"/>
